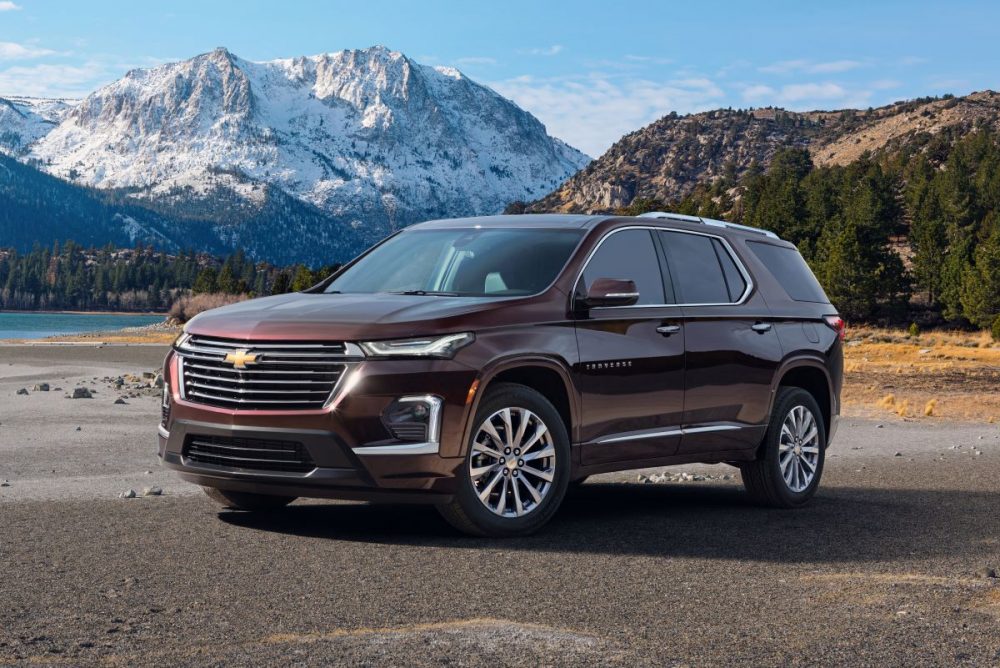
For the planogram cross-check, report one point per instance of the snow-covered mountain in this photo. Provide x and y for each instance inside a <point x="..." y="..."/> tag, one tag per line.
<point x="25" y="120"/>
<point x="368" y="138"/>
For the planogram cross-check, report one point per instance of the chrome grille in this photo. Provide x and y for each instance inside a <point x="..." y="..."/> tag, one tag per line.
<point x="284" y="376"/>
<point x="248" y="453"/>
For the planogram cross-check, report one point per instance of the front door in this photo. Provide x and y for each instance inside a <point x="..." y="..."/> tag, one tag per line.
<point x="631" y="369"/>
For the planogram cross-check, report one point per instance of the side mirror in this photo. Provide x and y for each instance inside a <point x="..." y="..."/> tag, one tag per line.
<point x="611" y="292"/>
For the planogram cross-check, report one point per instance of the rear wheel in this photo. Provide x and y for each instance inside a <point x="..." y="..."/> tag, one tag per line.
<point x="247" y="500"/>
<point x="790" y="465"/>
<point x="517" y="467"/>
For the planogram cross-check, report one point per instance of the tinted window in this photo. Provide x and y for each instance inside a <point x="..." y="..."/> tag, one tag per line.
<point x="734" y="279"/>
<point x="464" y="262"/>
<point x="695" y="266"/>
<point x="628" y="255"/>
<point x="786" y="265"/>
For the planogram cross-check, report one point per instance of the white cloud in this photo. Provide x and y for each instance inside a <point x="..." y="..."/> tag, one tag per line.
<point x="814" y="91"/>
<point x="811" y="95"/>
<point x="758" y="92"/>
<point x="834" y="66"/>
<point x="553" y="50"/>
<point x="476" y="60"/>
<point x="15" y="51"/>
<point x="652" y="60"/>
<point x="592" y="112"/>
<point x="948" y="85"/>
<point x="49" y="80"/>
<point x="7" y="6"/>
<point x="784" y="66"/>
<point x="809" y="67"/>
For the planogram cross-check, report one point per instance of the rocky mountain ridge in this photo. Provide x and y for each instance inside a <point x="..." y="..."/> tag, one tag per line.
<point x="320" y="154"/>
<point x="665" y="160"/>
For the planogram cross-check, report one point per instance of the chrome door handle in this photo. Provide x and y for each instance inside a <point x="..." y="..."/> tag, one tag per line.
<point x="761" y="327"/>
<point x="667" y="330"/>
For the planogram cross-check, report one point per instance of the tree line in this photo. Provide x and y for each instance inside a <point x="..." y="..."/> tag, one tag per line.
<point x="68" y="276"/>
<point x="912" y="235"/>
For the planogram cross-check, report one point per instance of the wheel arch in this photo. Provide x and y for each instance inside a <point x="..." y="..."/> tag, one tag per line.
<point x="548" y="377"/>
<point x="812" y="376"/>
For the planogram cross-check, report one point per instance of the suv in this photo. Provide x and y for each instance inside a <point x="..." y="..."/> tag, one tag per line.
<point x="486" y="364"/>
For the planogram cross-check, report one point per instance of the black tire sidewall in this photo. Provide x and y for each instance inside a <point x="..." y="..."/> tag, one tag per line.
<point x="787" y="399"/>
<point x="489" y="523"/>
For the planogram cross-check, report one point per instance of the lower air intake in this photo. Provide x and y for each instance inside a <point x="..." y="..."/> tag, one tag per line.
<point x="248" y="453"/>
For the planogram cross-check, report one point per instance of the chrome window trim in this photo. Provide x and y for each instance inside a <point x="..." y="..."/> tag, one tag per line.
<point x="725" y="243"/>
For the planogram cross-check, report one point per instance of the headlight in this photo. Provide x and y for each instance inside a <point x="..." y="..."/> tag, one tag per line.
<point x="438" y="346"/>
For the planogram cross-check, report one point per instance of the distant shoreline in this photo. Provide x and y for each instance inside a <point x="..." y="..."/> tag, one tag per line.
<point x="116" y="313"/>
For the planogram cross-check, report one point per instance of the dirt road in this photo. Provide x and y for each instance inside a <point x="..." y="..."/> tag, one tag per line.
<point x="888" y="566"/>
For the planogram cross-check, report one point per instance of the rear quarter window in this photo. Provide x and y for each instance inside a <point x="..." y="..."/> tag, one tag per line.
<point x="791" y="271"/>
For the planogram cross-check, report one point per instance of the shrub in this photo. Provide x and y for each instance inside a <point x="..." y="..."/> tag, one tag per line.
<point x="188" y="306"/>
<point x="995" y="329"/>
<point x="914" y="330"/>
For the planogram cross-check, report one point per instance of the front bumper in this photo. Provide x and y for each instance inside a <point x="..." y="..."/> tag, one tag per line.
<point x="355" y="456"/>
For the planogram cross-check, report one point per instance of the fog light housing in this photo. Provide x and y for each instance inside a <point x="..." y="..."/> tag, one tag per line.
<point x="414" y="419"/>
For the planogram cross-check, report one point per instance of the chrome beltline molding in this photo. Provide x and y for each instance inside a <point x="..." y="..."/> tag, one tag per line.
<point x="669" y="432"/>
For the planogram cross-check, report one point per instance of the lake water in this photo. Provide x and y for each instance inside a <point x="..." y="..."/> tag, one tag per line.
<point x="40" y="325"/>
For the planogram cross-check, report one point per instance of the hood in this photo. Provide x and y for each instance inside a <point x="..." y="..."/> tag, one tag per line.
<point x="347" y="317"/>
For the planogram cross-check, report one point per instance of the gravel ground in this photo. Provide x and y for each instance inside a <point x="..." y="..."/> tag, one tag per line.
<point x="889" y="566"/>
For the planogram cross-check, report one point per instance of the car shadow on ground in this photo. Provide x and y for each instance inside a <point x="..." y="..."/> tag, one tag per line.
<point x="703" y="521"/>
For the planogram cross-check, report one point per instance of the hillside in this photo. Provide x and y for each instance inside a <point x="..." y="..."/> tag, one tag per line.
<point x="667" y="159"/>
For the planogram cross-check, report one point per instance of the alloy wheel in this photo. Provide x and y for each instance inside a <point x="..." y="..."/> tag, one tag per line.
<point x="513" y="462"/>
<point x="798" y="448"/>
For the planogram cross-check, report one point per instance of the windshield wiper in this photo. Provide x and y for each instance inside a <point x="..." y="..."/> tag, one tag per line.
<point x="435" y="293"/>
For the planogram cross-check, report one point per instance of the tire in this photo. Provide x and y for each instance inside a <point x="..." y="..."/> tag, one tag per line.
<point x="765" y="479"/>
<point x="247" y="500"/>
<point x="470" y="513"/>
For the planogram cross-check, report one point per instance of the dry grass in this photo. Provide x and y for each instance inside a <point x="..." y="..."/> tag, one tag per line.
<point x="189" y="306"/>
<point x="930" y="376"/>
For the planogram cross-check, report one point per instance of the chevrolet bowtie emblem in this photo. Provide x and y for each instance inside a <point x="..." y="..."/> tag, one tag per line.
<point x="240" y="358"/>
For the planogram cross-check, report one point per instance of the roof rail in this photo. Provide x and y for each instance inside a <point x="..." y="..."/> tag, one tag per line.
<point x="665" y="215"/>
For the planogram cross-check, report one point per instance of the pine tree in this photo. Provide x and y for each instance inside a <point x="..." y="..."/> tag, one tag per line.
<point x="303" y="279"/>
<point x="207" y="281"/>
<point x="980" y="295"/>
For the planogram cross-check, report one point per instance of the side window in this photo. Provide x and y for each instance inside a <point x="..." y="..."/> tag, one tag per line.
<point x="786" y="265"/>
<point x="628" y="255"/>
<point x="734" y="279"/>
<point x="696" y="268"/>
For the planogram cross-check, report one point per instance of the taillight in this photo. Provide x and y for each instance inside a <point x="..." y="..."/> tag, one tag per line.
<point x="837" y="324"/>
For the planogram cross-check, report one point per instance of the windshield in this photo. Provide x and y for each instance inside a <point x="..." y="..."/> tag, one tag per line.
<point x="462" y="262"/>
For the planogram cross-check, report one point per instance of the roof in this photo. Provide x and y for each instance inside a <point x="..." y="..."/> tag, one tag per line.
<point x="586" y="221"/>
<point x="539" y="220"/>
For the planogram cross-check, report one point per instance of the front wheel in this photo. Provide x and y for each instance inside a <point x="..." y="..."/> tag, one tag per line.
<point x="790" y="464"/>
<point x="517" y="467"/>
<point x="247" y="500"/>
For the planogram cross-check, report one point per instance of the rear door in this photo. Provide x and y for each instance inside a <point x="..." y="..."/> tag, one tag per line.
<point x="631" y="370"/>
<point x="732" y="350"/>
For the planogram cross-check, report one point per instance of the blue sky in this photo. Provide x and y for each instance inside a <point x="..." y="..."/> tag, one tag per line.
<point x="591" y="71"/>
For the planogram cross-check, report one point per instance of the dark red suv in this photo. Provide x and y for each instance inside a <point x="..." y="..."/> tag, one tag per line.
<point x="485" y="364"/>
